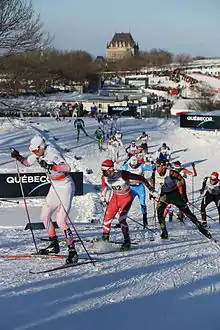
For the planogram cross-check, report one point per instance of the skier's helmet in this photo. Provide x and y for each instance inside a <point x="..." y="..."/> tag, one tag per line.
<point x="214" y="176"/>
<point x="140" y="149"/>
<point x="107" y="165"/>
<point x="37" y="143"/>
<point x="160" y="162"/>
<point x="133" y="143"/>
<point x="143" y="133"/>
<point x="177" y="164"/>
<point x="133" y="161"/>
<point x="164" y="145"/>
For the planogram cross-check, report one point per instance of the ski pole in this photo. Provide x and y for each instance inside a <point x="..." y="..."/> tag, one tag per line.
<point x="25" y="205"/>
<point x="7" y="162"/>
<point x="199" y="210"/>
<point x="8" y="201"/>
<point x="193" y="193"/>
<point x="139" y="223"/>
<point x="70" y="221"/>
<point x="155" y="216"/>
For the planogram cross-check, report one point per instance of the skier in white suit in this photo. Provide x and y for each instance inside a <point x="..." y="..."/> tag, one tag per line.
<point x="62" y="190"/>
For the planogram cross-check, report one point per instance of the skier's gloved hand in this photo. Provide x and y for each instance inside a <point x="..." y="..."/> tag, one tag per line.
<point x="193" y="165"/>
<point x="185" y="198"/>
<point x="104" y="201"/>
<point x="154" y="194"/>
<point x="15" y="154"/>
<point x="201" y="191"/>
<point x="45" y="165"/>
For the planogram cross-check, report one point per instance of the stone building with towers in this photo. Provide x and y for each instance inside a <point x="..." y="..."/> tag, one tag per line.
<point x="121" y="46"/>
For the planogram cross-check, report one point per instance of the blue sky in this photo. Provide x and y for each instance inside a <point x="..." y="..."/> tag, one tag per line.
<point x="180" y="26"/>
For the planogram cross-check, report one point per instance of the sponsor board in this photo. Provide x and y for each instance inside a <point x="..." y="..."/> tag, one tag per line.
<point x="34" y="184"/>
<point x="200" y="121"/>
<point x="125" y="111"/>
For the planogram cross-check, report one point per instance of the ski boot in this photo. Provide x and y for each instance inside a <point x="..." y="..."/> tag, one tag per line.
<point x="164" y="234"/>
<point x="53" y="248"/>
<point x="204" y="231"/>
<point x="204" y="223"/>
<point x="170" y="217"/>
<point x="105" y="237"/>
<point x="126" y="245"/>
<point x="145" y="223"/>
<point x="72" y="256"/>
<point x="117" y="225"/>
<point x="180" y="217"/>
<point x="170" y="213"/>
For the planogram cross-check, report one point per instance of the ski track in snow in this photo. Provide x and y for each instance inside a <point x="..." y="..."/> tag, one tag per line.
<point x="154" y="284"/>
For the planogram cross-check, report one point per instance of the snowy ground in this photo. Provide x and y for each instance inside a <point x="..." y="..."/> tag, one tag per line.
<point x="160" y="285"/>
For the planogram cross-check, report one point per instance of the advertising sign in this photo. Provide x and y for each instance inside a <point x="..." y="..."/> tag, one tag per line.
<point x="125" y="111"/>
<point x="200" y="121"/>
<point x="34" y="184"/>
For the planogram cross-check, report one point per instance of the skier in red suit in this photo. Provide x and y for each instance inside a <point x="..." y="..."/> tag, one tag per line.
<point x="121" y="198"/>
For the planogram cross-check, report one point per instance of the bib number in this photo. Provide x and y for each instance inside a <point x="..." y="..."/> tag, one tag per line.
<point x="116" y="188"/>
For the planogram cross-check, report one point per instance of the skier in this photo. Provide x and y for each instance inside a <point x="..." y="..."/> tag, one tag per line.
<point x="164" y="153"/>
<point x="171" y="186"/>
<point x="137" y="188"/>
<point x="178" y="167"/>
<point x="121" y="198"/>
<point x="212" y="186"/>
<point x="114" y="124"/>
<point x="57" y="114"/>
<point x="118" y="136"/>
<point x="99" y="136"/>
<point x="131" y="150"/>
<point x="109" y="132"/>
<point x="80" y="126"/>
<point x="113" y="148"/>
<point x="144" y="138"/>
<point x="143" y="158"/>
<point x="62" y="185"/>
<point x="99" y="117"/>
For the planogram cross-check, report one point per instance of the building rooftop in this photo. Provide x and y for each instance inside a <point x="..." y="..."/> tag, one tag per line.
<point x="124" y="38"/>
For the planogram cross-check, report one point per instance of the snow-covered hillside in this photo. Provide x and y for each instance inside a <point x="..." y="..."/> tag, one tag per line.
<point x="159" y="285"/>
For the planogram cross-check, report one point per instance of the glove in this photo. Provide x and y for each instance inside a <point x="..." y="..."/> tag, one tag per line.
<point x="193" y="165"/>
<point x="105" y="203"/>
<point x="15" y="154"/>
<point x="185" y="198"/>
<point x="154" y="194"/>
<point x="201" y="191"/>
<point x="44" y="164"/>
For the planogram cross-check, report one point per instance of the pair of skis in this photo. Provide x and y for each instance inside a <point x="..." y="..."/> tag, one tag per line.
<point x="82" y="261"/>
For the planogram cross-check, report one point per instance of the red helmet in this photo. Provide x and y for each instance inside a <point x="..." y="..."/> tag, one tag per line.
<point x="177" y="164"/>
<point x="107" y="164"/>
<point x="214" y="176"/>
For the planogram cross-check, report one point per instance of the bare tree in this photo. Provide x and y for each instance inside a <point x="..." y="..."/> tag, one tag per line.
<point x="182" y="59"/>
<point x="20" y="27"/>
<point x="205" y="100"/>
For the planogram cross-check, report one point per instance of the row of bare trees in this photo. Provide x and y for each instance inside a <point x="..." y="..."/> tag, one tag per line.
<point x="27" y="58"/>
<point x="40" y="69"/>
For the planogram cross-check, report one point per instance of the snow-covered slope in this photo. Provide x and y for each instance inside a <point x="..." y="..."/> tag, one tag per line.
<point x="160" y="285"/>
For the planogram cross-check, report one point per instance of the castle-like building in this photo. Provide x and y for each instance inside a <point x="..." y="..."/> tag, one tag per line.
<point x="121" y="46"/>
